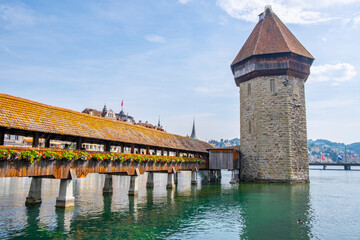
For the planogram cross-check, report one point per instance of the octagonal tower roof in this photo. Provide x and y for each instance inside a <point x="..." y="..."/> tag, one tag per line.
<point x="270" y="36"/>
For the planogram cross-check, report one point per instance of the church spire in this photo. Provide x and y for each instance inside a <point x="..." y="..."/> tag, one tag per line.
<point x="193" y="133"/>
<point x="104" y="111"/>
<point x="159" y="122"/>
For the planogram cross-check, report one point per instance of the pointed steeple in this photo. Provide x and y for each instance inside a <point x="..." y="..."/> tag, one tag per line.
<point x="104" y="111"/>
<point x="159" y="122"/>
<point x="193" y="132"/>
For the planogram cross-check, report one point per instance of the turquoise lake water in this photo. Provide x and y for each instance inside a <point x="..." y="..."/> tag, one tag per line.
<point x="329" y="207"/>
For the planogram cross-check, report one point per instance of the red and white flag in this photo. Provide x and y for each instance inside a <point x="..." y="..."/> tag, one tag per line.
<point x="122" y="103"/>
<point x="323" y="158"/>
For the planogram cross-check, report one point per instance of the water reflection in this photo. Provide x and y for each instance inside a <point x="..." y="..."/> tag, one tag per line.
<point x="272" y="211"/>
<point x="64" y="219"/>
<point x="206" y="210"/>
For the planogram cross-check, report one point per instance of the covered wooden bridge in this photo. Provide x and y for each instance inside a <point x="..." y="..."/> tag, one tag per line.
<point x="23" y="117"/>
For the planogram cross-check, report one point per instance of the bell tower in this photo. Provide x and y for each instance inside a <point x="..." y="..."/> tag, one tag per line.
<point x="270" y="71"/>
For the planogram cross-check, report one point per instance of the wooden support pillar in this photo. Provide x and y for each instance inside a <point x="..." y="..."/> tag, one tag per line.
<point x="176" y="176"/>
<point x="35" y="141"/>
<point x="194" y="178"/>
<point x="79" y="143"/>
<point x="147" y="150"/>
<point x="66" y="195"/>
<point x="212" y="176"/>
<point x="2" y="136"/>
<point x="134" y="186"/>
<point x="170" y="181"/>
<point x="235" y="176"/>
<point x="132" y="146"/>
<point x="47" y="141"/>
<point x="150" y="180"/>
<point x="34" y="196"/>
<point x="177" y="153"/>
<point x="108" y="186"/>
<point x="162" y="152"/>
<point x="107" y="146"/>
<point x="219" y="174"/>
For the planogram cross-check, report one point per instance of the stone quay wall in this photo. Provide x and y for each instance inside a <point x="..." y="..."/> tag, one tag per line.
<point x="273" y="130"/>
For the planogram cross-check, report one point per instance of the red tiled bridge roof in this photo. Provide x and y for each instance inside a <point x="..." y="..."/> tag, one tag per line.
<point x="22" y="114"/>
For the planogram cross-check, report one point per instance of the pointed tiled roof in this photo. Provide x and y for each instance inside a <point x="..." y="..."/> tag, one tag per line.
<point x="270" y="36"/>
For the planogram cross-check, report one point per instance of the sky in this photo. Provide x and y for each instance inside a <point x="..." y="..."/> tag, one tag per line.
<point x="171" y="58"/>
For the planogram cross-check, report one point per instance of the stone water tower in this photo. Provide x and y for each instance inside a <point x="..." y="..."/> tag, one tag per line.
<point x="271" y="70"/>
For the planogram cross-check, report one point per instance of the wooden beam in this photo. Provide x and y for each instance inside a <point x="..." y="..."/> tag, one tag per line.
<point x="121" y="148"/>
<point x="162" y="152"/>
<point x="148" y="150"/>
<point x="107" y="146"/>
<point x="2" y="136"/>
<point x="35" y="141"/>
<point x="132" y="146"/>
<point x="177" y="153"/>
<point x="79" y="143"/>
<point x="47" y="141"/>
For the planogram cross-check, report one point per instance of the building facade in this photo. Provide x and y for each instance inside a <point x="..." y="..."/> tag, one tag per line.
<point x="270" y="71"/>
<point x="121" y="116"/>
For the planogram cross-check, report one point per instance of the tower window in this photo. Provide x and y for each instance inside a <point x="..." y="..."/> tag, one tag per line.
<point x="249" y="88"/>
<point x="249" y="126"/>
<point x="272" y="85"/>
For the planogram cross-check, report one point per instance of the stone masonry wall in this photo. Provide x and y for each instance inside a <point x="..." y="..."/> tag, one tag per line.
<point x="275" y="148"/>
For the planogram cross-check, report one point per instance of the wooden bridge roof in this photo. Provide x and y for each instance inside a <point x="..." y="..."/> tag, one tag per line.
<point x="22" y="114"/>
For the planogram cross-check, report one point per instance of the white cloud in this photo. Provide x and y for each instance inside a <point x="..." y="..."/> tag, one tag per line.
<point x="155" y="38"/>
<point x="15" y="15"/>
<point x="184" y="1"/>
<point x="356" y="21"/>
<point x="297" y="11"/>
<point x="336" y="73"/>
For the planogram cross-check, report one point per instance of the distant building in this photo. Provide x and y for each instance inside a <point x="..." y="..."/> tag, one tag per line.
<point x="92" y="112"/>
<point x="121" y="116"/>
<point x="21" y="141"/>
<point x="125" y="117"/>
<point x="14" y="140"/>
